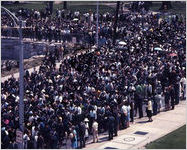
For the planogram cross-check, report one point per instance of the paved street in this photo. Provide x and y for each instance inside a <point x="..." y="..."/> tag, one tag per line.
<point x="162" y="124"/>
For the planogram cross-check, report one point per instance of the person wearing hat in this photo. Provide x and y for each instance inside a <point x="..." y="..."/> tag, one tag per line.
<point x="87" y="129"/>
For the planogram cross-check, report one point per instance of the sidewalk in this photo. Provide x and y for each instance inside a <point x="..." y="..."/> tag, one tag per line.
<point x="163" y="123"/>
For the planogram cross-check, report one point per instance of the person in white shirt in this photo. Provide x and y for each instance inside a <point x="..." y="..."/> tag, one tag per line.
<point x="87" y="129"/>
<point x="124" y="115"/>
<point x="149" y="110"/>
<point x="95" y="131"/>
<point x="79" y="110"/>
<point x="183" y="87"/>
<point x="25" y="139"/>
<point x="128" y="114"/>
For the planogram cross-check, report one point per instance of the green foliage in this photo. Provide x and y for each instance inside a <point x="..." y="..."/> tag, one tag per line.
<point x="74" y="6"/>
<point x="173" y="140"/>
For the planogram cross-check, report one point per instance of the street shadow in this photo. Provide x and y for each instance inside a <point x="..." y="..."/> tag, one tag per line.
<point x="110" y="148"/>
<point x="141" y="122"/>
<point x="103" y="139"/>
<point x="105" y="133"/>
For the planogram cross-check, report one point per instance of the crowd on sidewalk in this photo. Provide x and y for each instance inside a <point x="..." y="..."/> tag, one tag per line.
<point x="101" y="90"/>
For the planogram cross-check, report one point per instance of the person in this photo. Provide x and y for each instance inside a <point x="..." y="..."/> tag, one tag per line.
<point x="183" y="88"/>
<point x="155" y="105"/>
<point x="158" y="99"/>
<point x="128" y="114"/>
<point x="73" y="137"/>
<point x="5" y="139"/>
<point x="177" y="91"/>
<point x="149" y="110"/>
<point x="40" y="141"/>
<point x="117" y="121"/>
<point x="54" y="140"/>
<point x="57" y="55"/>
<point x="87" y="129"/>
<point x="132" y="111"/>
<point x="172" y="95"/>
<point x="26" y="139"/>
<point x="92" y="116"/>
<point x="138" y="104"/>
<point x="167" y="98"/>
<point x="111" y="122"/>
<point x="123" y="116"/>
<point x="82" y="129"/>
<point x="95" y="131"/>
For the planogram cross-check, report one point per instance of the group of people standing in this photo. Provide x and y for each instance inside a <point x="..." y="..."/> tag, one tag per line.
<point x="101" y="90"/>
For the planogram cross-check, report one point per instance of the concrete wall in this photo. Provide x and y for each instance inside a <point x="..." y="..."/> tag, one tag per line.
<point x="10" y="48"/>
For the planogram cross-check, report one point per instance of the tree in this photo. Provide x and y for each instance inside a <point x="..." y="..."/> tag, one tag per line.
<point x="166" y="5"/>
<point x="65" y="5"/>
<point x="51" y="6"/>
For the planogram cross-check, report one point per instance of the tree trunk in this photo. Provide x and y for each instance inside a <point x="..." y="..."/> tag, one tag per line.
<point x="166" y="5"/>
<point x="65" y="5"/>
<point x="51" y="6"/>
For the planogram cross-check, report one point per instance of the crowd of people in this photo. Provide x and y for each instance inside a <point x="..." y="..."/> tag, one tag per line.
<point x="101" y="90"/>
<point x="41" y="25"/>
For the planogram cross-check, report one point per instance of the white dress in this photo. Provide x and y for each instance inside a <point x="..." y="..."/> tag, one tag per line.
<point x="86" y="131"/>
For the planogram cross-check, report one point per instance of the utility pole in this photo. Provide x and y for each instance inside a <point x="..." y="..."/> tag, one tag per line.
<point x="21" y="83"/>
<point x="115" y="22"/>
<point x="97" y="34"/>
<point x="20" y="131"/>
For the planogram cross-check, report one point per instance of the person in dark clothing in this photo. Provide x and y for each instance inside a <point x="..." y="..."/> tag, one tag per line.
<point x="173" y="77"/>
<point x="56" y="53"/>
<point x="155" y="107"/>
<point x="47" y="136"/>
<point x="40" y="142"/>
<point x="117" y="121"/>
<point x="172" y="95"/>
<point x="13" y="145"/>
<point x="54" y="140"/>
<point x="139" y="104"/>
<point x="5" y="140"/>
<point x="111" y="122"/>
<point x="123" y="119"/>
<point x="132" y="111"/>
<point x="167" y="98"/>
<point x="177" y="95"/>
<point x="82" y="129"/>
